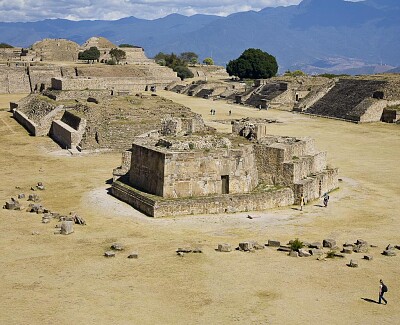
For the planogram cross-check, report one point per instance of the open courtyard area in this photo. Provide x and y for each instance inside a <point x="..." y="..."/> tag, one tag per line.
<point x="47" y="278"/>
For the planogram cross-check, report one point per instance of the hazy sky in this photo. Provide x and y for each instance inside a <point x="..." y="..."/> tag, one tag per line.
<point x="33" y="10"/>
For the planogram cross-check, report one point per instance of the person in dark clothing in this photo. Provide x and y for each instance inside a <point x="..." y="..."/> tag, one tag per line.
<point x="382" y="290"/>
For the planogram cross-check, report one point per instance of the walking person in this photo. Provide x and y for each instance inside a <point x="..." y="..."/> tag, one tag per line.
<point x="382" y="289"/>
<point x="302" y="202"/>
<point x="326" y="199"/>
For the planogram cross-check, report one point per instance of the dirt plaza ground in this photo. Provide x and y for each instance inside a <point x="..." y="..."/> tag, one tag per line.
<point x="48" y="278"/>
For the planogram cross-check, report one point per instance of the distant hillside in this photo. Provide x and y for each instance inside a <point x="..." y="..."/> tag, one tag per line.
<point x="314" y="35"/>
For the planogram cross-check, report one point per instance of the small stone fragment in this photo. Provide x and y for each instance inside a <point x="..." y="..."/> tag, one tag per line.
<point x="133" y="255"/>
<point x="347" y="250"/>
<point x="368" y="257"/>
<point x="21" y="196"/>
<point x="109" y="254"/>
<point x="197" y="250"/>
<point x="117" y="247"/>
<point x="353" y="263"/>
<point x="304" y="253"/>
<point x="389" y="252"/>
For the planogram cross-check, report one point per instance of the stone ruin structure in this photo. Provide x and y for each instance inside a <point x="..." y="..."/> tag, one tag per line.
<point x="25" y="70"/>
<point x="179" y="172"/>
<point x="353" y="99"/>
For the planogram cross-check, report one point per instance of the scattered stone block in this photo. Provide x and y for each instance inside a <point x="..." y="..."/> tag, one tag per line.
<point x="258" y="246"/>
<point x="368" y="257"/>
<point x="117" y="247"/>
<point x="339" y="255"/>
<point x="353" y="263"/>
<point x="347" y="250"/>
<point x="109" y="254"/>
<point x="304" y="253"/>
<point x="316" y="251"/>
<point x="389" y="252"/>
<point x="45" y="219"/>
<point x="360" y="248"/>
<point x="306" y="244"/>
<point x="361" y="242"/>
<point x="197" y="250"/>
<point x="348" y="244"/>
<point x="35" y="233"/>
<point x="274" y="243"/>
<point x="21" y="196"/>
<point x="67" y="227"/>
<point x="184" y="250"/>
<point x="329" y="243"/>
<point x="316" y="245"/>
<point x="10" y="205"/>
<point x="246" y="246"/>
<point x="77" y="219"/>
<point x="389" y="247"/>
<point x="224" y="247"/>
<point x="134" y="255"/>
<point x="181" y="254"/>
<point x="284" y="248"/>
<point x="293" y="254"/>
<point x="397" y="247"/>
<point x="33" y="198"/>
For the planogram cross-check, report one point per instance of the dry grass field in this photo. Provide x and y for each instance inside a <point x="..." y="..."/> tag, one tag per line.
<point x="55" y="279"/>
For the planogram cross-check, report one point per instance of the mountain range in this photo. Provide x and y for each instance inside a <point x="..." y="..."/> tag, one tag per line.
<point x="317" y="36"/>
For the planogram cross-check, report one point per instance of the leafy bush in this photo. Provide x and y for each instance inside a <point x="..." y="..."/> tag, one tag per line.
<point x="296" y="244"/>
<point x="208" y="61"/>
<point x="5" y="46"/>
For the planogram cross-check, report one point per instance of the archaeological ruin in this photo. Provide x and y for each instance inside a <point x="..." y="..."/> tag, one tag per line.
<point x="184" y="169"/>
<point x="354" y="99"/>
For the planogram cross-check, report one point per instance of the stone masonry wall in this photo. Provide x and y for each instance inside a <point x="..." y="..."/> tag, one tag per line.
<point x="189" y="174"/>
<point x="147" y="170"/>
<point x="14" y="80"/>
<point x="202" y="205"/>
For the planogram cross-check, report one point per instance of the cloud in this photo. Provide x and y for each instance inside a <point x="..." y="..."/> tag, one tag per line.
<point x="33" y="10"/>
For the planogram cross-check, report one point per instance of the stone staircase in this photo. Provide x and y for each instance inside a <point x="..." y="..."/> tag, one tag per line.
<point x="347" y="94"/>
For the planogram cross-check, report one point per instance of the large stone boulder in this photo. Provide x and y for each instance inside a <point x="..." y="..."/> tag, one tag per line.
<point x="274" y="243"/>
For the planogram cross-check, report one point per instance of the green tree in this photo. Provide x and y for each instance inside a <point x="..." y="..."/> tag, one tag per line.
<point x="174" y="62"/>
<point x="5" y="46"/>
<point x="127" y="45"/>
<point x="208" y="61"/>
<point x="189" y="57"/>
<point x="183" y="72"/>
<point x="91" y="54"/>
<point x="117" y="54"/>
<point x="253" y="64"/>
<point x="296" y="73"/>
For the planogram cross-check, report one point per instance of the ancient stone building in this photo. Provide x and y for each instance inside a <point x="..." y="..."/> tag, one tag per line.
<point x="56" y="50"/>
<point x="196" y="174"/>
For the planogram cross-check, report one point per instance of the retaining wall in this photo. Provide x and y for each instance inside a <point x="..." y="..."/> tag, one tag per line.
<point x="229" y="203"/>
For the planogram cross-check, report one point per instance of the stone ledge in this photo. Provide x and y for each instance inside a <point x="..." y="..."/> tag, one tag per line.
<point x="156" y="206"/>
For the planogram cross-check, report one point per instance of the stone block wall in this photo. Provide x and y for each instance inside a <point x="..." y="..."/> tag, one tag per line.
<point x="67" y="135"/>
<point x="314" y="187"/>
<point x="192" y="173"/>
<point x="28" y="124"/>
<point x="202" y="205"/>
<point x="147" y="170"/>
<point x="41" y="76"/>
<point x="369" y="110"/>
<point x="189" y="174"/>
<point x="14" y="80"/>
